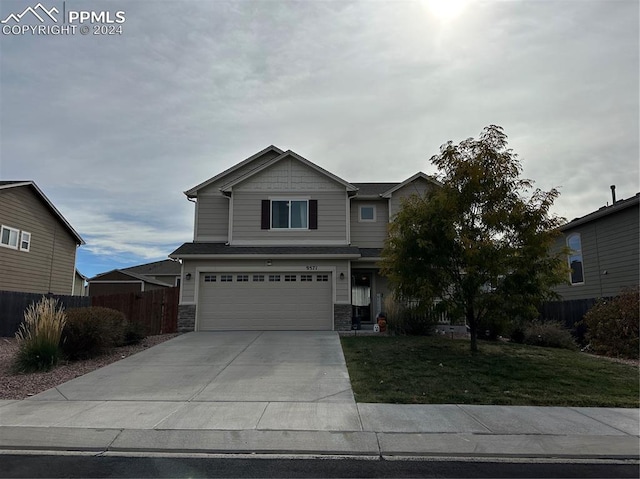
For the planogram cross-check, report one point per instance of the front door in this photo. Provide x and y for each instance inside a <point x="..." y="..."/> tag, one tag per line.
<point x="361" y="296"/>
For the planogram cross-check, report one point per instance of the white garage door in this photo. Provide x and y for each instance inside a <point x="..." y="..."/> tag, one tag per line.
<point x="265" y="301"/>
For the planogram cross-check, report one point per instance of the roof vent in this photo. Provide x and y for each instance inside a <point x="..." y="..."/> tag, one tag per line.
<point x="613" y="194"/>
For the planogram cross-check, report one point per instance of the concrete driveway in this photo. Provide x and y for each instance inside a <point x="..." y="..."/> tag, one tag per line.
<point x="222" y="380"/>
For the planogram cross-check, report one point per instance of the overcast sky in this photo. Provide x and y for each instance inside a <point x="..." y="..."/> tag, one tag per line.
<point x="114" y="128"/>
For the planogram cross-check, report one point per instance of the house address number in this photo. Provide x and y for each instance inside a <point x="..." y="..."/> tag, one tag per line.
<point x="312" y="268"/>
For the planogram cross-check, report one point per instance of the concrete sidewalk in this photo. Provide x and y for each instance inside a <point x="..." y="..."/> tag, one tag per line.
<point x="287" y="393"/>
<point x="320" y="429"/>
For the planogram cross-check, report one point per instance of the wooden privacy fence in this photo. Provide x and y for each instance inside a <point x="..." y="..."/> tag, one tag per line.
<point x="570" y="313"/>
<point x="156" y="311"/>
<point x="13" y="305"/>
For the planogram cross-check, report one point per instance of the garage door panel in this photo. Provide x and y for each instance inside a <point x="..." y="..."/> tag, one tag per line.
<point x="250" y="301"/>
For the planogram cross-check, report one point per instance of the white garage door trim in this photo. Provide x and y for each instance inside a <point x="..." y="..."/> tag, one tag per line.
<point x="289" y="321"/>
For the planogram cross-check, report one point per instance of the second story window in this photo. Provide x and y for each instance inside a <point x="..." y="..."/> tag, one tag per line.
<point x="289" y="214"/>
<point x="367" y="213"/>
<point x="9" y="237"/>
<point x="575" y="258"/>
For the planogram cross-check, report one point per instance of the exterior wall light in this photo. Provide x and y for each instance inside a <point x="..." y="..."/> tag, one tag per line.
<point x="187" y="276"/>
<point x="341" y="275"/>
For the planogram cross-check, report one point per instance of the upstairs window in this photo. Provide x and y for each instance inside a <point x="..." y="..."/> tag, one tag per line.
<point x="574" y="244"/>
<point x="293" y="214"/>
<point x="289" y="214"/>
<point x="367" y="213"/>
<point x="25" y="241"/>
<point x="9" y="237"/>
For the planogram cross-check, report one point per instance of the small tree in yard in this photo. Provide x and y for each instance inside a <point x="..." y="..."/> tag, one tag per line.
<point x="476" y="246"/>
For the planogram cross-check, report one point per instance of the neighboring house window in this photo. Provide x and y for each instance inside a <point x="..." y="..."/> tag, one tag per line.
<point x="9" y="237"/>
<point x="25" y="241"/>
<point x="367" y="213"/>
<point x="575" y="259"/>
<point x="289" y="214"/>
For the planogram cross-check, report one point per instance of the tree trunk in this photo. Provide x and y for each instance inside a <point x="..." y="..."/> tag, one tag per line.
<point x="473" y="329"/>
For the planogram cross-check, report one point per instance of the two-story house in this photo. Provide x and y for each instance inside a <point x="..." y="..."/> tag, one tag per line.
<point x="37" y="244"/>
<point x="281" y="243"/>
<point x="604" y="251"/>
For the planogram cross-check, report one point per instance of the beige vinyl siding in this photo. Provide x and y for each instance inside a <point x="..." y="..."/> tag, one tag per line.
<point x="214" y="188"/>
<point x="343" y="286"/>
<point x="332" y="222"/>
<point x="417" y="187"/>
<point x="49" y="265"/>
<point x="609" y="244"/>
<point x="369" y="234"/>
<point x="291" y="175"/>
<point x="213" y="218"/>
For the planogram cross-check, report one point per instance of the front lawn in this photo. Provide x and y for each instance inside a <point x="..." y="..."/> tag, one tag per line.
<point x="437" y="370"/>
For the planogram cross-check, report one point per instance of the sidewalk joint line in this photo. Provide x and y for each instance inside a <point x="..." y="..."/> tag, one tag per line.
<point x="601" y="422"/>
<point x="225" y="367"/>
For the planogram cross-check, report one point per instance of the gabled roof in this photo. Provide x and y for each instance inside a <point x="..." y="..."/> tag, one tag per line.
<point x="18" y="184"/>
<point x="420" y="174"/>
<point x="602" y="212"/>
<point x="84" y="278"/>
<point x="139" y="277"/>
<point x="157" y="268"/>
<point x="288" y="154"/>
<point x="193" y="191"/>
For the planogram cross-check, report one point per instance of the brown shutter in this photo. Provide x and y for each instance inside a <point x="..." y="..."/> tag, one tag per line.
<point x="313" y="214"/>
<point x="266" y="213"/>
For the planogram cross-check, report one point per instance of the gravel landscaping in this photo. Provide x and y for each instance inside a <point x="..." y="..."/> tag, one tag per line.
<point x="21" y="386"/>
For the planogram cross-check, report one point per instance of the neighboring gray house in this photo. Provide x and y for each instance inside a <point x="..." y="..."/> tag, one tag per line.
<point x="80" y="284"/>
<point x="135" y="279"/>
<point x="280" y="243"/>
<point x="37" y="244"/>
<point x="604" y="247"/>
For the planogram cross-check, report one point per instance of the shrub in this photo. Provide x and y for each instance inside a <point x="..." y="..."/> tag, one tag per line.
<point x="612" y="326"/>
<point x="39" y="336"/>
<point x="408" y="320"/>
<point x="133" y="333"/>
<point x="90" y="331"/>
<point x="550" y="334"/>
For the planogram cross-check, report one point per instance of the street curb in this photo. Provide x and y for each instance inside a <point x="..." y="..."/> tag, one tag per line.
<point x="317" y="443"/>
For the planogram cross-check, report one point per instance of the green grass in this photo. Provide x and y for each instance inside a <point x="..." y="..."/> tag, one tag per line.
<point x="436" y="370"/>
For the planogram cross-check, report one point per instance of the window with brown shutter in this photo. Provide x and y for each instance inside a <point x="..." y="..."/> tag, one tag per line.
<point x="266" y="215"/>
<point x="313" y="214"/>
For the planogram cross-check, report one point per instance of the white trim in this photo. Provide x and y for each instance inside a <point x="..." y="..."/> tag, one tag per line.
<point x="75" y="272"/>
<point x="212" y="239"/>
<point x="28" y="248"/>
<point x="289" y="200"/>
<point x="375" y="213"/>
<point x="230" y="225"/>
<point x="10" y="229"/>
<point x="348" y="216"/>
<point x="271" y="256"/>
<point x="288" y="242"/>
<point x="182" y="281"/>
<point x="227" y="187"/>
<point x="193" y="191"/>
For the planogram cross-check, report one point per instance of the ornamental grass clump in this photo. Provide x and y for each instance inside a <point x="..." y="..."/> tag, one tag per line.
<point x="39" y="336"/>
